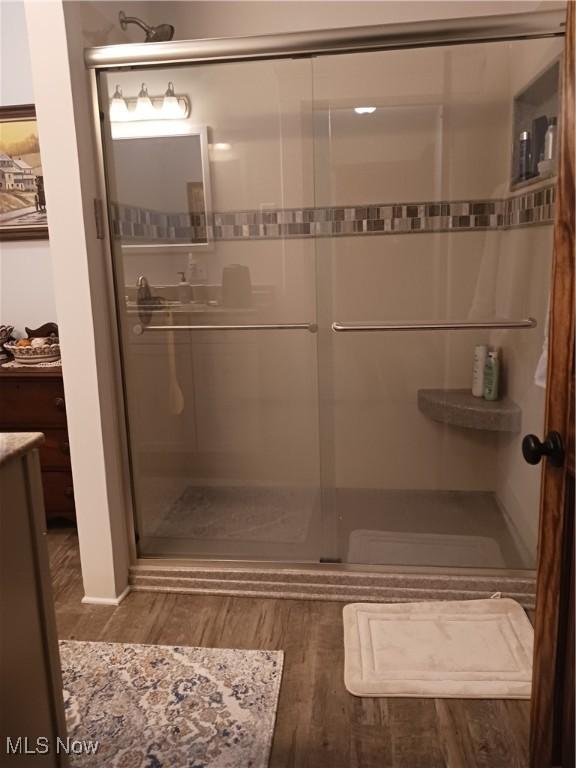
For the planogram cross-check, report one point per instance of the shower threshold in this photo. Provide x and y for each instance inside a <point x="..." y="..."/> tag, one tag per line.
<point x="392" y="545"/>
<point x="345" y="583"/>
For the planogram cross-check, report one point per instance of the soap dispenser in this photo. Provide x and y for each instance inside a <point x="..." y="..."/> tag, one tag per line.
<point x="184" y="289"/>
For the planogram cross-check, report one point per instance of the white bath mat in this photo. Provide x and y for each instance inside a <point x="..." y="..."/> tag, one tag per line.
<point x="404" y="547"/>
<point x="470" y="649"/>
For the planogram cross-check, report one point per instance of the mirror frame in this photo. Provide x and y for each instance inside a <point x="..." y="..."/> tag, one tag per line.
<point x="208" y="245"/>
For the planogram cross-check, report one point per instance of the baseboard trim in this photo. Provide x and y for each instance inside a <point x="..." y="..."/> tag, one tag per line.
<point x="87" y="600"/>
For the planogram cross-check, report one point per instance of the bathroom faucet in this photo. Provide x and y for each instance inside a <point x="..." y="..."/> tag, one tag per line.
<point x="145" y="301"/>
<point x="144" y="292"/>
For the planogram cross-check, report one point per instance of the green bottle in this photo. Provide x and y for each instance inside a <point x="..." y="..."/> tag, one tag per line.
<point x="492" y="375"/>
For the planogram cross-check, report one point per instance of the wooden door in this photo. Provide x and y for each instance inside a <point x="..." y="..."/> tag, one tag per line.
<point x="552" y="715"/>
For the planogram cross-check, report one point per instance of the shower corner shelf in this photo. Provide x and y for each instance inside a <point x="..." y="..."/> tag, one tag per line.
<point x="461" y="409"/>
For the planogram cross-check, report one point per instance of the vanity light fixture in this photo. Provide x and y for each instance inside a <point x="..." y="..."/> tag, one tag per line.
<point x="170" y="106"/>
<point x="118" y="107"/>
<point x="145" y="110"/>
<point x="173" y="107"/>
<point x="364" y="110"/>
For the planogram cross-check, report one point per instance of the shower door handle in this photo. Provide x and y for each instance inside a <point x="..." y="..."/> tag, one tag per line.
<point x="139" y="329"/>
<point x="528" y="322"/>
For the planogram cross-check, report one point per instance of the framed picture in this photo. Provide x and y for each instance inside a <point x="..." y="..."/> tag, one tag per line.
<point x="22" y="199"/>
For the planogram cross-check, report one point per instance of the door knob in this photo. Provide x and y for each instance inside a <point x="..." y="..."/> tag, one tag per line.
<point x="553" y="448"/>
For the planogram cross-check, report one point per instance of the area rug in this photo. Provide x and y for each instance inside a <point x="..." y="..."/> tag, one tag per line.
<point x="402" y="547"/>
<point x="246" y="513"/>
<point x="154" y="706"/>
<point x="471" y="649"/>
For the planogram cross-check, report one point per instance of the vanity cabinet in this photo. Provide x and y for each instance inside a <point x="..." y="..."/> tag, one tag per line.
<point x="31" y="702"/>
<point x="32" y="400"/>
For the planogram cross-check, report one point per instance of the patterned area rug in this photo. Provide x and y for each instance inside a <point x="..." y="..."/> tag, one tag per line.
<point x="154" y="706"/>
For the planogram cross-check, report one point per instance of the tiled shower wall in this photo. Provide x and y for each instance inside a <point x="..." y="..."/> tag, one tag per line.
<point x="140" y="225"/>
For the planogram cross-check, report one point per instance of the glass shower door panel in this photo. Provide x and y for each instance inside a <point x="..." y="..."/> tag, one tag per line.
<point x="217" y="308"/>
<point x="413" y="151"/>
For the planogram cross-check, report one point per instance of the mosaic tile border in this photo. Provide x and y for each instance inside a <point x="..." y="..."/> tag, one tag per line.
<point x="142" y="225"/>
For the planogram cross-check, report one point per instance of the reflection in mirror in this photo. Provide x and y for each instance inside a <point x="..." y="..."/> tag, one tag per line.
<point x="162" y="190"/>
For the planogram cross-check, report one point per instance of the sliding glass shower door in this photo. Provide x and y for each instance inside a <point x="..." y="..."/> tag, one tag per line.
<point x="439" y="243"/>
<point x="217" y="307"/>
<point x="307" y="255"/>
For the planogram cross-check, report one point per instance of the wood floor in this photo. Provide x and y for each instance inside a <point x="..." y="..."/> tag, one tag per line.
<point x="319" y="724"/>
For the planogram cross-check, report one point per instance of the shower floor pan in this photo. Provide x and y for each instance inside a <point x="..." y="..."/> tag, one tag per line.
<point x="391" y="545"/>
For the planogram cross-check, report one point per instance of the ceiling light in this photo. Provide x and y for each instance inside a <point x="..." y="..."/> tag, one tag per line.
<point x="118" y="107"/>
<point x="364" y="110"/>
<point x="223" y="146"/>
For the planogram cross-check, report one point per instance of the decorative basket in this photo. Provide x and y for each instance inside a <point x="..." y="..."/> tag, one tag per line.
<point x="48" y="353"/>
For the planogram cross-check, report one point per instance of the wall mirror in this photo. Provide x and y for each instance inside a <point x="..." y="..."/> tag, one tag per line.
<point x="162" y="196"/>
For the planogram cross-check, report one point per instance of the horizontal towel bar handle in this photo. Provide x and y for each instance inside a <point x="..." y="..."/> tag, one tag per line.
<point x="311" y="327"/>
<point x="528" y="322"/>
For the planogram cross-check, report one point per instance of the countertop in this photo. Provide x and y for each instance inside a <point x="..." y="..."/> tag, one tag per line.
<point x="31" y="372"/>
<point x="14" y="444"/>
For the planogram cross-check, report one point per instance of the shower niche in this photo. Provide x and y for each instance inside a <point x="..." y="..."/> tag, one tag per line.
<point x="535" y="109"/>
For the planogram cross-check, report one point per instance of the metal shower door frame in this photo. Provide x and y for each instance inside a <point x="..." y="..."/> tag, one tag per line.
<point x="500" y="28"/>
<point x="476" y="29"/>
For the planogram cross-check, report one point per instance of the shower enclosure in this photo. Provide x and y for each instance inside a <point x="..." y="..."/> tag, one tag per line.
<point x="307" y="246"/>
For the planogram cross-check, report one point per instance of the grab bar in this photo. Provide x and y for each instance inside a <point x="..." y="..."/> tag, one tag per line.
<point x="312" y="327"/>
<point x="528" y="322"/>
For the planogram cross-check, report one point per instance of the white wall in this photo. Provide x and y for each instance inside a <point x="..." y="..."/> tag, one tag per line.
<point x="26" y="289"/>
<point x="232" y="19"/>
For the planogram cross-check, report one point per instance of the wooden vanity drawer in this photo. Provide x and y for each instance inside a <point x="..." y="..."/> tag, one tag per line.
<point x="32" y="400"/>
<point x="55" y="451"/>
<point x="34" y="404"/>
<point x="58" y="494"/>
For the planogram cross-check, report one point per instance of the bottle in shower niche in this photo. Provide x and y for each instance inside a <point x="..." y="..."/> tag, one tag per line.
<point x="492" y="375"/>
<point x="480" y="353"/>
<point x="524" y="155"/>
<point x="550" y="140"/>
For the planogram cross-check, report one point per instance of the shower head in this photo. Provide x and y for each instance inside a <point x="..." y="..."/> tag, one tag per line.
<point x="159" y="34"/>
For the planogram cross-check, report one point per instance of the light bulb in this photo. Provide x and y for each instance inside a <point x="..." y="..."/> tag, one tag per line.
<point x="364" y="110"/>
<point x="145" y="110"/>
<point x="118" y="107"/>
<point x="171" y="106"/>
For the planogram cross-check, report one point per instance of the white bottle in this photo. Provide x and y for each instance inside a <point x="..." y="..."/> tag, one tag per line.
<point x="480" y="354"/>
<point x="184" y="290"/>
<point x="550" y="140"/>
<point x="196" y="272"/>
<point x="192" y="270"/>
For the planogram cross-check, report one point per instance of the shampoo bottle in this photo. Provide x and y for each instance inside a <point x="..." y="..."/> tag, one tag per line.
<point x="524" y="155"/>
<point x="492" y="375"/>
<point x="550" y="140"/>
<point x="480" y="353"/>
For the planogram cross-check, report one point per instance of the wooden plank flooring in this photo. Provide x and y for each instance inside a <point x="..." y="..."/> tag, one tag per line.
<point x="319" y="724"/>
